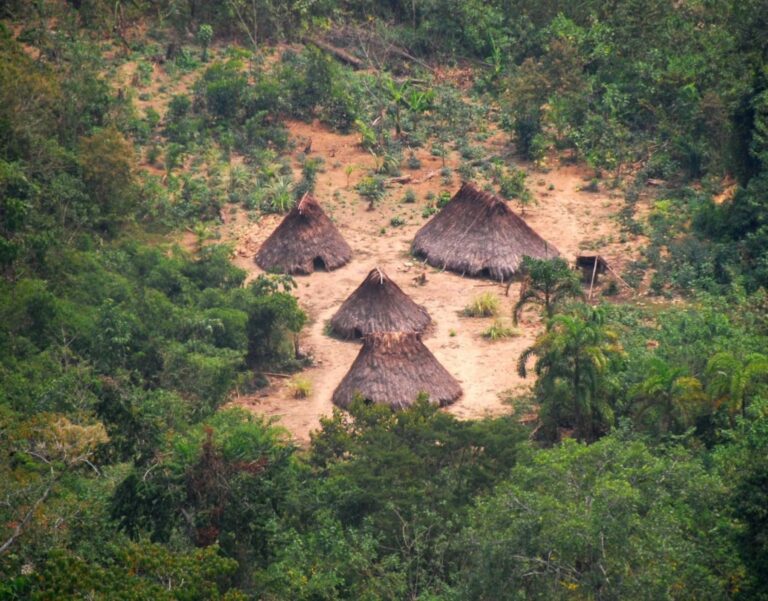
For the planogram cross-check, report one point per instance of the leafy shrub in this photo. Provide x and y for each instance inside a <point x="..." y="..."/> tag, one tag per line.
<point x="371" y="188"/>
<point x="439" y="150"/>
<point x="196" y="200"/>
<point x="390" y="164"/>
<point x="153" y="154"/>
<point x="308" y="177"/>
<point x="182" y="126"/>
<point x="466" y="171"/>
<point x="185" y="60"/>
<point x="278" y="196"/>
<point x="612" y="289"/>
<point x="314" y="85"/>
<point x="413" y="162"/>
<point x="222" y="89"/>
<point x="261" y="130"/>
<point x="272" y="319"/>
<point x="593" y="186"/>
<point x="443" y="199"/>
<point x="179" y="106"/>
<point x="469" y="152"/>
<point x="512" y="184"/>
<point x="529" y="135"/>
<point x="143" y="75"/>
<point x="340" y="110"/>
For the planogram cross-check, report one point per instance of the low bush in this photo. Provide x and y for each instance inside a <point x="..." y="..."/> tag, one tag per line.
<point x="498" y="330"/>
<point x="484" y="305"/>
<point x="300" y="387"/>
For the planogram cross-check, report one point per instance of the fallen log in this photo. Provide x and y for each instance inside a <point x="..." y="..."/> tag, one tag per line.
<point x="408" y="179"/>
<point x="403" y="179"/>
<point x="341" y="55"/>
<point x="407" y="55"/>
<point x="427" y="177"/>
<point x="275" y="375"/>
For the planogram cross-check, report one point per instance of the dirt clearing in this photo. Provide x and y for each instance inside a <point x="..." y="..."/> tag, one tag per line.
<point x="570" y="219"/>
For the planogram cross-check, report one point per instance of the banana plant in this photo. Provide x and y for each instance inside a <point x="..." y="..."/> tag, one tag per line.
<point x="397" y="96"/>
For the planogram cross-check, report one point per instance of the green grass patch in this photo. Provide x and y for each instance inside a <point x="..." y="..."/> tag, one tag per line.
<point x="484" y="305"/>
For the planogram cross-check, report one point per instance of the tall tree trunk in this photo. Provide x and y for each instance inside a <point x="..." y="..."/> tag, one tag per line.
<point x="577" y="397"/>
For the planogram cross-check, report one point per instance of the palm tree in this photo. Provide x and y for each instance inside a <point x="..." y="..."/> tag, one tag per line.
<point x="572" y="357"/>
<point x="549" y="283"/>
<point x="668" y="391"/>
<point x="732" y="378"/>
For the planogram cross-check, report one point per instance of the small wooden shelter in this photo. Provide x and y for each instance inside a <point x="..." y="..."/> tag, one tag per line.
<point x="591" y="266"/>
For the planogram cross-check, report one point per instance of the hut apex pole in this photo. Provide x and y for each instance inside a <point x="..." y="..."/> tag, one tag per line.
<point x="594" y="273"/>
<point x="303" y="202"/>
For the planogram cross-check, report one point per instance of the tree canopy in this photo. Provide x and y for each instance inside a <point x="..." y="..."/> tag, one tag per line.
<point x="635" y="466"/>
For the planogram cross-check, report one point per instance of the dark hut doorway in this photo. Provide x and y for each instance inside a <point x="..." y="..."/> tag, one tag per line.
<point x="318" y="264"/>
<point x="591" y="267"/>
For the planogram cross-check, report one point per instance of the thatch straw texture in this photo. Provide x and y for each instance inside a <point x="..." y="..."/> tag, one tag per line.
<point x="477" y="234"/>
<point x="378" y="305"/>
<point x="305" y="240"/>
<point x="392" y="369"/>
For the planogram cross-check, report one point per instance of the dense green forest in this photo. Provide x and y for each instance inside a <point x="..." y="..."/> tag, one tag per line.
<point x="645" y="472"/>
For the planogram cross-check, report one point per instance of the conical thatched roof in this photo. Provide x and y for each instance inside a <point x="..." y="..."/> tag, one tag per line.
<point x="392" y="369"/>
<point x="304" y="241"/>
<point x="477" y="234"/>
<point x="378" y="305"/>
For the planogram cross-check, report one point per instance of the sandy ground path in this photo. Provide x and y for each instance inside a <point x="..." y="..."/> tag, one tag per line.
<point x="567" y="217"/>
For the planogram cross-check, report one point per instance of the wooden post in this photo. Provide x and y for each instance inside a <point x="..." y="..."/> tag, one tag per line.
<point x="594" y="273"/>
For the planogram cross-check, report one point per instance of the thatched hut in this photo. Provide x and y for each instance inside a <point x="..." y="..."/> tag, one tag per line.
<point x="477" y="234"/>
<point x="393" y="368"/>
<point x="305" y="240"/>
<point x="378" y="305"/>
